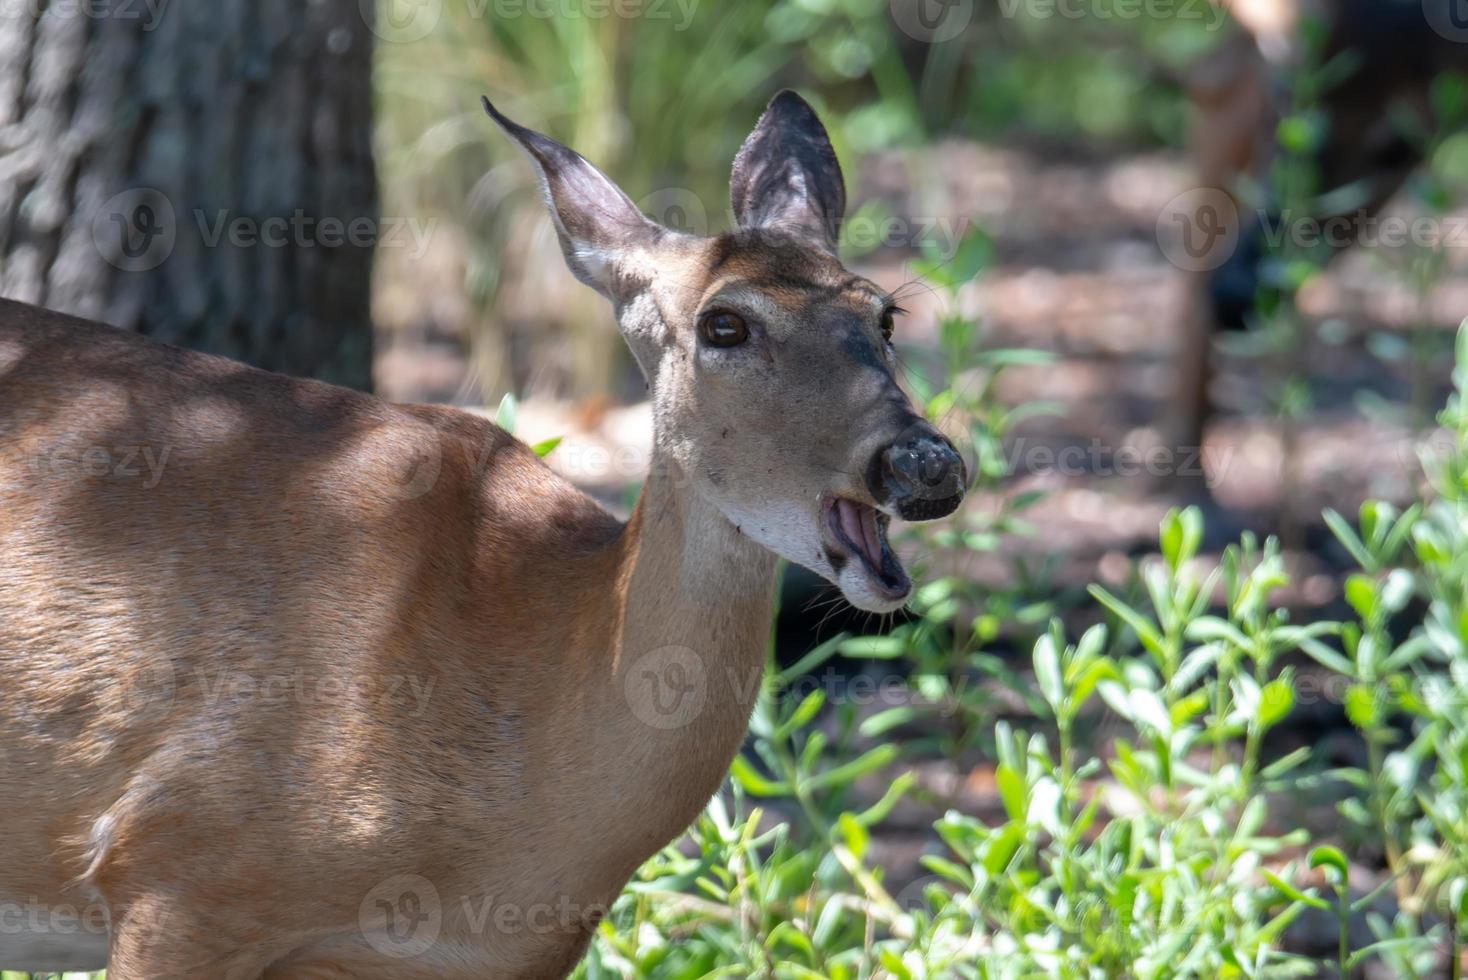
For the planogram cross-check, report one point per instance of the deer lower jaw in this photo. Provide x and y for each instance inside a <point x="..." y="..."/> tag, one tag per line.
<point x="862" y="563"/>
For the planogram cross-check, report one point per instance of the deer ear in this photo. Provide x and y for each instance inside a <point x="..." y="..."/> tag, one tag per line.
<point x="595" y="221"/>
<point x="786" y="175"/>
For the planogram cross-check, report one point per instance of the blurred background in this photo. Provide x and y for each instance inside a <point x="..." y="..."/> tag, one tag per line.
<point x="1154" y="253"/>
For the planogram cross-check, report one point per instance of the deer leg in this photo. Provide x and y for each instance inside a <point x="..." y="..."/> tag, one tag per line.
<point x="1188" y="407"/>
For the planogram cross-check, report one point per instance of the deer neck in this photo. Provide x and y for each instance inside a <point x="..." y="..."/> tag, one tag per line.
<point x="688" y="653"/>
<point x="693" y="580"/>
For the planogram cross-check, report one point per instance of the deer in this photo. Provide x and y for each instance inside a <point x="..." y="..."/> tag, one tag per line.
<point x="341" y="688"/>
<point x="1387" y="56"/>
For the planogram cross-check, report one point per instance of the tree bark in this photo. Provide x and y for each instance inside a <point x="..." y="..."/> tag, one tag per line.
<point x="197" y="170"/>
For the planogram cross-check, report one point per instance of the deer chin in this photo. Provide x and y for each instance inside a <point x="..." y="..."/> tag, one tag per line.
<point x="863" y="565"/>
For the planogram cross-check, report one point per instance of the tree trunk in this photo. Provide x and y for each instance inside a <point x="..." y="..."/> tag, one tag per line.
<point x="197" y="170"/>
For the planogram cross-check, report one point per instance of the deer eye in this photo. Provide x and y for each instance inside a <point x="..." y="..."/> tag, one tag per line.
<point x="721" y="328"/>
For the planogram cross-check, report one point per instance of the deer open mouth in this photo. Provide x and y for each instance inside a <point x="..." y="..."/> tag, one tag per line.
<point x="858" y="531"/>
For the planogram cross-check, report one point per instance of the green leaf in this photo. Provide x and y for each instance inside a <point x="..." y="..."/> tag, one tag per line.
<point x="1285" y="763"/>
<point x="974" y="252"/>
<point x="1251" y="818"/>
<point x="1409" y="652"/>
<point x="1002" y="847"/>
<point x="505" y="416"/>
<point x="1012" y="791"/>
<point x="1362" y="706"/>
<point x="1325" y="656"/>
<point x="1194" y="665"/>
<point x="810" y="661"/>
<point x="1449" y="96"/>
<point x="1085" y="685"/>
<point x="1089" y="646"/>
<point x="1148" y="708"/>
<point x="1331" y="858"/>
<point x="1181" y="534"/>
<point x="951" y="870"/>
<point x="787" y="933"/>
<point x="809" y="707"/>
<point x="547" y="446"/>
<point x="874" y="647"/>
<point x="884" y="721"/>
<point x="1275" y="927"/>
<point x="1145" y="630"/>
<point x="1276" y="701"/>
<point x="1186" y="709"/>
<point x="869" y="762"/>
<point x="828" y="925"/>
<point x="1045" y="805"/>
<point x="1292" y="893"/>
<point x="1355" y="811"/>
<point x="1362" y="595"/>
<point x="879" y="810"/>
<point x="1364" y="902"/>
<point x="1401" y="942"/>
<point x="1298" y="133"/>
<point x="1171" y="537"/>
<point x="1213" y="628"/>
<point x="1366" y="658"/>
<point x="1347" y="537"/>
<point x="1396" y="590"/>
<point x="856" y="835"/>
<point x="1047" y="672"/>
<point x="1115" y="696"/>
<point x="1010" y="357"/>
<point x="753" y="782"/>
<point x="894" y="964"/>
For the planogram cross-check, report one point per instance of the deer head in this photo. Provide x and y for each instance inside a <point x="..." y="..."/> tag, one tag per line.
<point x="771" y="366"/>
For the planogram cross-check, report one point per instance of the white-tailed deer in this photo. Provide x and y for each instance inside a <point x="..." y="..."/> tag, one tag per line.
<point x="1392" y="53"/>
<point x="298" y="683"/>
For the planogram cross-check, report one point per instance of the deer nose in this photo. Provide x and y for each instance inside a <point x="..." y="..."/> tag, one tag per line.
<point x="921" y="476"/>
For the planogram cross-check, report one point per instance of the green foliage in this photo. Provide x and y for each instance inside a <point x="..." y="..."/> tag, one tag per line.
<point x="1408" y="696"/>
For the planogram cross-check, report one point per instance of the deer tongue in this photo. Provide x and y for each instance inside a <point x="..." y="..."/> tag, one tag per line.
<point x="859" y="524"/>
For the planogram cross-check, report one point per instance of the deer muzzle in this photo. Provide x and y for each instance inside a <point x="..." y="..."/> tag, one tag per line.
<point x="920" y="476"/>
